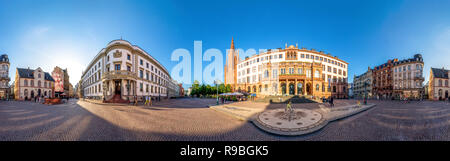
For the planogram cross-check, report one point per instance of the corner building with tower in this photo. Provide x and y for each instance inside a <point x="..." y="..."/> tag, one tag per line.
<point x="288" y="71"/>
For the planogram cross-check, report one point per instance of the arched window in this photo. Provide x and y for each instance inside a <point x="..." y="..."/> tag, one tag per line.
<point x="317" y="87"/>
<point x="32" y="83"/>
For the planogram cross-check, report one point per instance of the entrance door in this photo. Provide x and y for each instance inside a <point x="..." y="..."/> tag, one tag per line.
<point x="291" y="89"/>
<point x="117" y="87"/>
<point x="300" y="88"/>
<point x="446" y="94"/>
<point x="32" y="93"/>
<point x="308" y="89"/>
<point x="39" y="92"/>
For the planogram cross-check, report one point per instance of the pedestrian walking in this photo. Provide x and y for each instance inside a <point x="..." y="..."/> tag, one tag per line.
<point x="288" y="107"/>
<point x="150" y="100"/>
<point x="332" y="102"/>
<point x="145" y="101"/>
<point x="135" y="100"/>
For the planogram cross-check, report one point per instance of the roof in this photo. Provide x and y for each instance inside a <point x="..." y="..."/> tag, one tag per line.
<point x="440" y="73"/>
<point x="28" y="73"/>
<point x="4" y="58"/>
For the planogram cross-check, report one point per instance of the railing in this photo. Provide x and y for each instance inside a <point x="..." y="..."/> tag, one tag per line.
<point x="118" y="74"/>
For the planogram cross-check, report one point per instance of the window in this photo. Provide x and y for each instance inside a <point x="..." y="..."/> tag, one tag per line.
<point x="141" y="73"/>
<point x="280" y="56"/>
<point x="128" y="56"/>
<point x="25" y="82"/>
<point x="147" y="65"/>
<point x="146" y="88"/>
<point x="274" y="73"/>
<point x="317" y="87"/>
<point x="107" y="58"/>
<point x="141" y="87"/>
<point x="317" y="74"/>
<point x="291" y="70"/>
<point x="299" y="71"/>
<point x="117" y="67"/>
<point x="141" y="62"/>
<point x="308" y="73"/>
<point x="128" y="68"/>
<point x="146" y="75"/>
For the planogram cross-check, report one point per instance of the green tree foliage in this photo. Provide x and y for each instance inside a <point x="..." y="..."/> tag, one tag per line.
<point x="203" y="90"/>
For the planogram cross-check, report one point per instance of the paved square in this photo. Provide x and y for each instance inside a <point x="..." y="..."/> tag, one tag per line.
<point x="191" y="119"/>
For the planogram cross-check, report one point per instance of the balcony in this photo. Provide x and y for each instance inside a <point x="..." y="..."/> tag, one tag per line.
<point x="119" y="74"/>
<point x="419" y="78"/>
<point x="291" y="76"/>
<point x="5" y="77"/>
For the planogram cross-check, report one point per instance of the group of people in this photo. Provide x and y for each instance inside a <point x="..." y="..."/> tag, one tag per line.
<point x="330" y="101"/>
<point x="148" y="100"/>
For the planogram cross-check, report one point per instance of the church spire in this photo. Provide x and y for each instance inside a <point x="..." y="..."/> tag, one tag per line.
<point x="232" y="43"/>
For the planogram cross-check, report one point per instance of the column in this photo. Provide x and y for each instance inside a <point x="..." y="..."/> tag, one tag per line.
<point x="287" y="87"/>
<point x="296" y="89"/>
<point x="304" y="88"/>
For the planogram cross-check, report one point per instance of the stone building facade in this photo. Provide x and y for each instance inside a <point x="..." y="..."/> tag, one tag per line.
<point x="362" y="85"/>
<point x="408" y="78"/>
<point x="438" y="85"/>
<point x="62" y="83"/>
<point x="121" y="71"/>
<point x="31" y="83"/>
<point x="382" y="80"/>
<point x="293" y="71"/>
<point x="230" y="69"/>
<point x="4" y="77"/>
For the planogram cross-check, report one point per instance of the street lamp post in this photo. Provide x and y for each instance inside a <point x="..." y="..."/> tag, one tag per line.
<point x="217" y="82"/>
<point x="365" y="91"/>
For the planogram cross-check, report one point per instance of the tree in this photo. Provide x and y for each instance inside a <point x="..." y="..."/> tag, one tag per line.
<point x="228" y="88"/>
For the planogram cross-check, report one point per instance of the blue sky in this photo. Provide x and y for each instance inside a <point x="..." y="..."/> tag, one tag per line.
<point x="49" y="33"/>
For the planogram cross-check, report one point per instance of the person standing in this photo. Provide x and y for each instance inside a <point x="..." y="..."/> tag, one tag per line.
<point x="150" y="100"/>
<point x="135" y="100"/>
<point x="332" y="102"/>
<point x="146" y="101"/>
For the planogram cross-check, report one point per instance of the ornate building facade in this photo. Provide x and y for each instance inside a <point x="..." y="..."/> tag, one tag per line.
<point x="31" y="83"/>
<point x="292" y="71"/>
<point x="438" y="86"/>
<point x="382" y="80"/>
<point x="62" y="84"/>
<point x="121" y="71"/>
<point x="408" y="78"/>
<point x="4" y="77"/>
<point x="362" y="84"/>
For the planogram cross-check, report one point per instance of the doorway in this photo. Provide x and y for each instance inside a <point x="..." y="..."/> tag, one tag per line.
<point x="117" y="87"/>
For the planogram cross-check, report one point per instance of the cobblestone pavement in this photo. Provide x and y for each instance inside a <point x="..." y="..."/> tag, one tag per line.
<point x="190" y="119"/>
